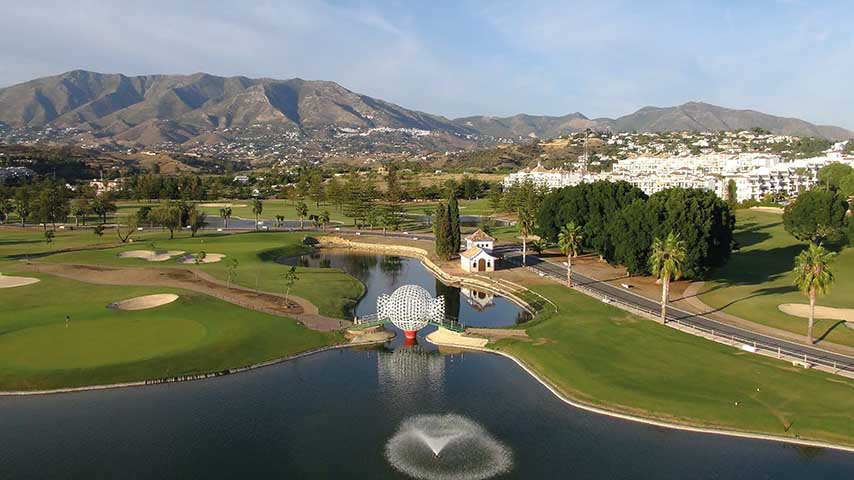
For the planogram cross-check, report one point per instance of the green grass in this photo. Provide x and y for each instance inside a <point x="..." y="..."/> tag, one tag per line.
<point x="332" y="291"/>
<point x="603" y="356"/>
<point x="758" y="278"/>
<point x="194" y="334"/>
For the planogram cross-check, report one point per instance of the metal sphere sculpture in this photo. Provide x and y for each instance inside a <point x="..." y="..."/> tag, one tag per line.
<point x="410" y="308"/>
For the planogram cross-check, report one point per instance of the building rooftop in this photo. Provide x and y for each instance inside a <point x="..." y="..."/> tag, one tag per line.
<point x="480" y="236"/>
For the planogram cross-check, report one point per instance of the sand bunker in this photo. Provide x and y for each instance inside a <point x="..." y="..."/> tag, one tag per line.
<point x="150" y="255"/>
<point x="144" y="302"/>
<point x="9" y="282"/>
<point x="222" y="205"/>
<point x="209" y="258"/>
<point x="830" y="313"/>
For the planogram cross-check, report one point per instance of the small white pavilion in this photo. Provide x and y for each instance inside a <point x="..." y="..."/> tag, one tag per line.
<point x="478" y="255"/>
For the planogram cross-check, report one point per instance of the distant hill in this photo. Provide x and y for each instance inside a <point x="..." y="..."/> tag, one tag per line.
<point x="151" y="109"/>
<point x="698" y="116"/>
<point x="175" y="107"/>
<point x="691" y="116"/>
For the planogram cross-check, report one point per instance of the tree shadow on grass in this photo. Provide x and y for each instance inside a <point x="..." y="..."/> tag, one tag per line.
<point x="753" y="233"/>
<point x="759" y="293"/>
<point x="830" y="329"/>
<point x="761" y="267"/>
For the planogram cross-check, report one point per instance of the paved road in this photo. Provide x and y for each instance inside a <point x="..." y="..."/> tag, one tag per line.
<point x="513" y="255"/>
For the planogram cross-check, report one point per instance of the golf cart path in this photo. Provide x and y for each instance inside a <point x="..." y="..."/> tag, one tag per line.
<point x="272" y="303"/>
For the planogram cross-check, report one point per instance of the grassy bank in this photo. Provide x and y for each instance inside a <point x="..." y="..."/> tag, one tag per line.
<point x="605" y="357"/>
<point x="194" y="334"/>
<point x="758" y="278"/>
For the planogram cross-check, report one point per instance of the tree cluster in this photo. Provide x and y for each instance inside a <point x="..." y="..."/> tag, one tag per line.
<point x="620" y="223"/>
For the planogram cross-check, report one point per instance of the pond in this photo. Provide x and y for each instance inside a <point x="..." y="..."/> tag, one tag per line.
<point x="384" y="273"/>
<point x="332" y="415"/>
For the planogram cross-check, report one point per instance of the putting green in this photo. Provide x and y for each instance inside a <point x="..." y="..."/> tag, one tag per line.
<point x="122" y="339"/>
<point x="194" y="334"/>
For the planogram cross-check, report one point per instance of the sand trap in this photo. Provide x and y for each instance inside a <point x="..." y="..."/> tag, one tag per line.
<point x="144" y="302"/>
<point x="443" y="336"/>
<point x="9" y="282"/>
<point x="209" y="258"/>
<point x="222" y="205"/>
<point x="150" y="255"/>
<point x="830" y="313"/>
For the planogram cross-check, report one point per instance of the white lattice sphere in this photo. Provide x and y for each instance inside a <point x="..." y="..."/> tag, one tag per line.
<point x="410" y="308"/>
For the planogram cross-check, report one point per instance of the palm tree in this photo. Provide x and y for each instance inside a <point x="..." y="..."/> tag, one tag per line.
<point x="302" y="212"/>
<point x="666" y="261"/>
<point x="225" y="213"/>
<point x="257" y="208"/>
<point x="324" y="219"/>
<point x="813" y="277"/>
<point x="526" y="226"/>
<point x="569" y="241"/>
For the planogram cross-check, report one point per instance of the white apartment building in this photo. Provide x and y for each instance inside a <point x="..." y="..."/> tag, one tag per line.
<point x="755" y="174"/>
<point x="545" y="178"/>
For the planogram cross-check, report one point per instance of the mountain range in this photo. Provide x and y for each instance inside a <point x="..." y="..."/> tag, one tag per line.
<point x="151" y="109"/>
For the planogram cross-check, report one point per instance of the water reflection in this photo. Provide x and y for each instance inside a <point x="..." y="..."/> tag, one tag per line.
<point x="384" y="273"/>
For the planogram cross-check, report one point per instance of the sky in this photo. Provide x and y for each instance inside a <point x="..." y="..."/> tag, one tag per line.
<point x="458" y="58"/>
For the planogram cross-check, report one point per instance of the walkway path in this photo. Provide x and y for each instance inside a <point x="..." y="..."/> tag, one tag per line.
<point x="273" y="303"/>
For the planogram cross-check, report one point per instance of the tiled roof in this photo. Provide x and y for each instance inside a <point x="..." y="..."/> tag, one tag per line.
<point x="480" y="236"/>
<point x="471" y="252"/>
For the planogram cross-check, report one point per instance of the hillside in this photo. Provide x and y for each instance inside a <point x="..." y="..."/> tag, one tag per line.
<point x="154" y="108"/>
<point x="691" y="116"/>
<point x="151" y="110"/>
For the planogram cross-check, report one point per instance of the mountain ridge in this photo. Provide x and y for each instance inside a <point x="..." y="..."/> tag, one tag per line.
<point x="146" y="109"/>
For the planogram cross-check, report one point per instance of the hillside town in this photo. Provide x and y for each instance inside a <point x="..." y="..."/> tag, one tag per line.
<point x="703" y="161"/>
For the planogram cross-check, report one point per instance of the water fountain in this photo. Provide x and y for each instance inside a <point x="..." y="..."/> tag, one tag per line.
<point x="445" y="447"/>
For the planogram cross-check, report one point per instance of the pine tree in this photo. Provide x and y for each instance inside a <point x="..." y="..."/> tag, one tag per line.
<point x="454" y="223"/>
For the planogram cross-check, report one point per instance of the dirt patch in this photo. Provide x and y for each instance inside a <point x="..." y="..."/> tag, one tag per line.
<point x="151" y="255"/>
<point x="209" y="258"/>
<point x="803" y="310"/>
<point x="10" y="282"/>
<point x="145" y="302"/>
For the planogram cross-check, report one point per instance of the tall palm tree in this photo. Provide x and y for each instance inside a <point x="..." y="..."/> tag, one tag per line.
<point x="302" y="212"/>
<point x="257" y="208"/>
<point x="813" y="276"/>
<point x="569" y="242"/>
<point x="666" y="260"/>
<point x="526" y="226"/>
<point x="225" y="213"/>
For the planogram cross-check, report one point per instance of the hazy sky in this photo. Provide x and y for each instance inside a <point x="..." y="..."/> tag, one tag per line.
<point x="455" y="58"/>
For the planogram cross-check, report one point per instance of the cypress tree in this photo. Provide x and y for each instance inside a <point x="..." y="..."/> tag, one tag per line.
<point x="454" y="219"/>
<point x="441" y="229"/>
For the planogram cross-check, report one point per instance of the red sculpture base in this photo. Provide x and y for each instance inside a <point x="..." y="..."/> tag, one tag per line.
<point x="409" y="334"/>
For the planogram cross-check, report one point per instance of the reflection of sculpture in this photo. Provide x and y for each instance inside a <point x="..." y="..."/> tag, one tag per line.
<point x="479" y="300"/>
<point x="410" y="308"/>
